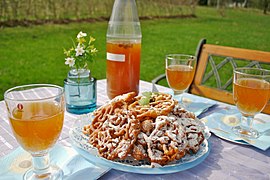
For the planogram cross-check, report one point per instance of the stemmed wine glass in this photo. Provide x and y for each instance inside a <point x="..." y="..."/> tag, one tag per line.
<point x="36" y="115"/>
<point x="251" y="91"/>
<point x="180" y="70"/>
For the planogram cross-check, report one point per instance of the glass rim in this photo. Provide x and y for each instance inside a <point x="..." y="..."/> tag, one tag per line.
<point x="238" y="71"/>
<point x="33" y="85"/>
<point x="175" y="56"/>
<point x="66" y="82"/>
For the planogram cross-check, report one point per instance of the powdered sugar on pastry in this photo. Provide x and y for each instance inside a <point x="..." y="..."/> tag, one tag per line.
<point x="160" y="131"/>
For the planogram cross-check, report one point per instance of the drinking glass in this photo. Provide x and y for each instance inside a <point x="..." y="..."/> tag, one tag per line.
<point x="36" y="115"/>
<point x="180" y="70"/>
<point x="250" y="93"/>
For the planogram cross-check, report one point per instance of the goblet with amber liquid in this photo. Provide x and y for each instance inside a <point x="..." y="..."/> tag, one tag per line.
<point x="251" y="89"/>
<point x="36" y="115"/>
<point x="180" y="70"/>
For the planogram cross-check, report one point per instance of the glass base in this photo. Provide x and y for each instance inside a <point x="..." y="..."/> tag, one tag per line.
<point x="178" y="92"/>
<point x="246" y="132"/>
<point x="81" y="109"/>
<point x="54" y="173"/>
<point x="179" y="96"/>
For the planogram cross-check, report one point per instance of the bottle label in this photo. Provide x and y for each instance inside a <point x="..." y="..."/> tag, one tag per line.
<point x="116" y="57"/>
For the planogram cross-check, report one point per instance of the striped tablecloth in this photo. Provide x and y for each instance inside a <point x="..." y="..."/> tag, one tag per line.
<point x="225" y="161"/>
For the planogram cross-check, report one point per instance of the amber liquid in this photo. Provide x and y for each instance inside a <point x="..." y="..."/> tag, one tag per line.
<point x="250" y="95"/>
<point x="179" y="77"/>
<point x="38" y="125"/>
<point x="123" y="77"/>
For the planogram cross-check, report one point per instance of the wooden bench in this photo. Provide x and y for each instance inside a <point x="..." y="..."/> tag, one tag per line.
<point x="215" y="62"/>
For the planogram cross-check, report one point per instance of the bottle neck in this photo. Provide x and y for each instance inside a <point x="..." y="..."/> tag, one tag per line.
<point x="124" y="22"/>
<point x="124" y="11"/>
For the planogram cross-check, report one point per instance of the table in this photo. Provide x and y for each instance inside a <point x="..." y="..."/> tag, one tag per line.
<point x="226" y="160"/>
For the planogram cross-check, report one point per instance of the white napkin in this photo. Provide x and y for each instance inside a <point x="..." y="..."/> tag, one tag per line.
<point x="221" y="123"/>
<point x="15" y="164"/>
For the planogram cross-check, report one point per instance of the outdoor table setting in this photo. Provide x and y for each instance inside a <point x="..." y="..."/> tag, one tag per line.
<point x="229" y="158"/>
<point x="123" y="127"/>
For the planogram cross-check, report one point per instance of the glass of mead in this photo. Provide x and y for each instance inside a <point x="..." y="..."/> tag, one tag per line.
<point x="36" y="115"/>
<point x="180" y="70"/>
<point x="251" y="89"/>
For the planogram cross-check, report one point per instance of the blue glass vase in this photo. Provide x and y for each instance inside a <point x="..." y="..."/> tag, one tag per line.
<point x="80" y="91"/>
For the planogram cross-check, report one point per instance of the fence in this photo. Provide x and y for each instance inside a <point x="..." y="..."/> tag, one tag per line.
<point x="44" y="10"/>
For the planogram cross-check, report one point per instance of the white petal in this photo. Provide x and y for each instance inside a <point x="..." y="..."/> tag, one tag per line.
<point x="81" y="34"/>
<point x="70" y="61"/>
<point x="79" y="51"/>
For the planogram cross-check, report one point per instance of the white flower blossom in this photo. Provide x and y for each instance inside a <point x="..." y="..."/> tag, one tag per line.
<point x="84" y="52"/>
<point x="70" y="61"/>
<point x="81" y="34"/>
<point x="79" y="50"/>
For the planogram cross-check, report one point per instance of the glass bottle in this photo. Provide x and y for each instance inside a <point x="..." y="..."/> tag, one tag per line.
<point x="123" y="49"/>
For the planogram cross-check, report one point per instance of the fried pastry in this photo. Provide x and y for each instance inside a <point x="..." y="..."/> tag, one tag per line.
<point x="158" y="130"/>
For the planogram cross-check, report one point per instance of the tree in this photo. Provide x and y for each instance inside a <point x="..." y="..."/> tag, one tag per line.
<point x="266" y="4"/>
<point x="221" y="7"/>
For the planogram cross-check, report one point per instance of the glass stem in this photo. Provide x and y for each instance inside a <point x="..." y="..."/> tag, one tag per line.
<point x="247" y="121"/>
<point x="179" y="95"/>
<point x="41" y="164"/>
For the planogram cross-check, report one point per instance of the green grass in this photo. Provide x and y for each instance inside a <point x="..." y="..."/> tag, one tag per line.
<point x="35" y="54"/>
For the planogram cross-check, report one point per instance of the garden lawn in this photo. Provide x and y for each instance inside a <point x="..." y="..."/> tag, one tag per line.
<point x="35" y="54"/>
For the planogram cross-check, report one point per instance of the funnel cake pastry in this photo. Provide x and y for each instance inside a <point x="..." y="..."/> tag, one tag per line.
<point x="192" y="127"/>
<point x="151" y="127"/>
<point x="159" y="104"/>
<point x="114" y="128"/>
<point x="166" y="142"/>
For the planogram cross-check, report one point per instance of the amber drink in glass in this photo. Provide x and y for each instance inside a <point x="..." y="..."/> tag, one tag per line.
<point x="36" y="114"/>
<point x="180" y="70"/>
<point x="251" y="94"/>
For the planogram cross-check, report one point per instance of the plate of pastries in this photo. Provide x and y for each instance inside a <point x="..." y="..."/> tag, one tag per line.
<point x="149" y="133"/>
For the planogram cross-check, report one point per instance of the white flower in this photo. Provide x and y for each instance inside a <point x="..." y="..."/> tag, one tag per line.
<point x="70" y="61"/>
<point x="79" y="50"/>
<point x="81" y="34"/>
<point x="82" y="53"/>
